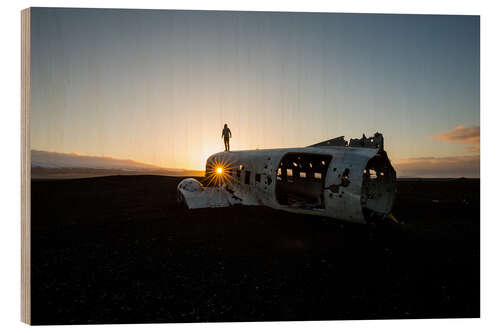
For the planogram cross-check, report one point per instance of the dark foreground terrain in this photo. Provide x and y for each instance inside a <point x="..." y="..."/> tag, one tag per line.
<point x="121" y="250"/>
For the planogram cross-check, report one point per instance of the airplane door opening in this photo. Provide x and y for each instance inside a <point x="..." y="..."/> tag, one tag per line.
<point x="300" y="180"/>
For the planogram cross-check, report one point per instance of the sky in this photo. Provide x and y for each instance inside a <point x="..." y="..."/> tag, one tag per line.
<point x="157" y="86"/>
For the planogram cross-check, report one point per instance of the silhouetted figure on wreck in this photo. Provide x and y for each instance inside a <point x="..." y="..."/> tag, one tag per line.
<point x="226" y="134"/>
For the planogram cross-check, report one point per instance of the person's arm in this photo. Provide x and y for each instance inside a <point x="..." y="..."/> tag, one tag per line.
<point x="230" y="134"/>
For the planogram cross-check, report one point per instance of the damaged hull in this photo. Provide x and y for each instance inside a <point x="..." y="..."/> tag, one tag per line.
<point x="354" y="184"/>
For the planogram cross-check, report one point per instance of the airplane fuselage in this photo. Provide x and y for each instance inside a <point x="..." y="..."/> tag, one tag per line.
<point x="354" y="184"/>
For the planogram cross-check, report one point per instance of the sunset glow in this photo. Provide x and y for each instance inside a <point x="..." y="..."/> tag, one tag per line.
<point x="158" y="88"/>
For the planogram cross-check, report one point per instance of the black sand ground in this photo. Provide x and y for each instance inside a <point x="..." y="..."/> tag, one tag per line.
<point x="120" y="250"/>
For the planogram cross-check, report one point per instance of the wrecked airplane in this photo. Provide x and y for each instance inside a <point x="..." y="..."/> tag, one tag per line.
<point x="353" y="181"/>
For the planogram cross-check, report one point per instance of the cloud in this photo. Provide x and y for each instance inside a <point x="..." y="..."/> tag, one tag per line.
<point x="470" y="136"/>
<point x="439" y="167"/>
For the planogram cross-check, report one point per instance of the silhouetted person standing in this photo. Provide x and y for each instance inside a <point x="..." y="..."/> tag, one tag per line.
<point x="226" y="134"/>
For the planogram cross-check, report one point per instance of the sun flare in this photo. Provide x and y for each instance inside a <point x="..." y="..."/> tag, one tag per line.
<point x="220" y="171"/>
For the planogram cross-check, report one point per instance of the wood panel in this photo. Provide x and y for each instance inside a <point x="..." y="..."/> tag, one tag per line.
<point x="25" y="168"/>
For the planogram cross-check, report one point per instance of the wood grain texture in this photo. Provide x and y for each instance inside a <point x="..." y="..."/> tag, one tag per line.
<point x="25" y="168"/>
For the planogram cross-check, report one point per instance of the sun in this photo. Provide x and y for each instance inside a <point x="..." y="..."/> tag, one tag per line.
<point x="220" y="171"/>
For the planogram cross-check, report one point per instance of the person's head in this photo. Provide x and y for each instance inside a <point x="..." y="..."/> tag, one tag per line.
<point x="225" y="125"/>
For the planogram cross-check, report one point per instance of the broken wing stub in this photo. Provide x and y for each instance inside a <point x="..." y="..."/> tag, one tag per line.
<point x="194" y="195"/>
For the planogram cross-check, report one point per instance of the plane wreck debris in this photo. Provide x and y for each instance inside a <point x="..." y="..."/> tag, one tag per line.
<point x="353" y="182"/>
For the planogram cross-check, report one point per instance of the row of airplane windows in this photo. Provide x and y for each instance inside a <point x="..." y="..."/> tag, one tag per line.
<point x="247" y="175"/>
<point x="257" y="176"/>
<point x="302" y="174"/>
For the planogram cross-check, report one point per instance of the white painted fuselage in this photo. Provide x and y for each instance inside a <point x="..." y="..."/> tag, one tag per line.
<point x="353" y="184"/>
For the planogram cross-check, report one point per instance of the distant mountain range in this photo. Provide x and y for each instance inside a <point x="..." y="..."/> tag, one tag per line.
<point x="46" y="164"/>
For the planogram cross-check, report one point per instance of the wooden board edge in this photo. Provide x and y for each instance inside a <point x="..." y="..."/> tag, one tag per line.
<point x="25" y="167"/>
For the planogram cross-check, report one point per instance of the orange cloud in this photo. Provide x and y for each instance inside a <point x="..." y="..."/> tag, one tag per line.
<point x="461" y="134"/>
<point x="439" y="167"/>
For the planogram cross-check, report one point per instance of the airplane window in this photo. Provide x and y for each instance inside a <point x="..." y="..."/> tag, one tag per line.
<point x="289" y="172"/>
<point x="302" y="175"/>
<point x="317" y="175"/>
<point x="257" y="177"/>
<point x="345" y="177"/>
